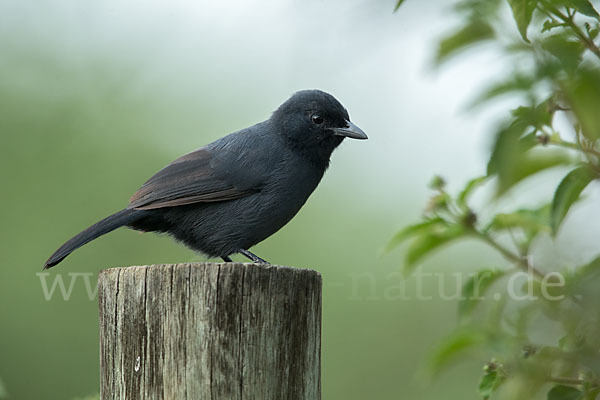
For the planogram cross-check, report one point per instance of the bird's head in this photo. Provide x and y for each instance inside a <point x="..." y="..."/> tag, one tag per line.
<point x="315" y="123"/>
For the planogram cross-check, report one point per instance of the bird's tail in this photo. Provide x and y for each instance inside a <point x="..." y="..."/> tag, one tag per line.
<point x="100" y="228"/>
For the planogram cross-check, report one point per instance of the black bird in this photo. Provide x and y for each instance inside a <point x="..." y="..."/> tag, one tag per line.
<point x="235" y="192"/>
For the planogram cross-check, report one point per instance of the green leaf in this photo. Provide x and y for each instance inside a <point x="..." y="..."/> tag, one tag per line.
<point x="593" y="267"/>
<point x="583" y="282"/>
<point x="568" y="52"/>
<point x="535" y="116"/>
<point x="475" y="31"/>
<point x="591" y="394"/>
<point x="516" y="83"/>
<point x="530" y="221"/>
<point x="562" y="392"/>
<point x="474" y="289"/>
<point x="592" y="31"/>
<point x="568" y="192"/>
<point x="413" y="230"/>
<point x="429" y="241"/>
<point x="535" y="161"/>
<point x="550" y="24"/>
<point x="489" y="383"/>
<point x="571" y="342"/>
<point x="523" y="12"/>
<point x="470" y="187"/>
<point x="398" y="4"/>
<point x="505" y="148"/>
<point x="529" y="141"/>
<point x="513" y="159"/>
<point x="583" y="93"/>
<point x="452" y="346"/>
<point x="583" y="6"/>
<point x="536" y="219"/>
<point x="510" y="141"/>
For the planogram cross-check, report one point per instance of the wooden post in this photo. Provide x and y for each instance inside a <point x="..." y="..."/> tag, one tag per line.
<point x="210" y="331"/>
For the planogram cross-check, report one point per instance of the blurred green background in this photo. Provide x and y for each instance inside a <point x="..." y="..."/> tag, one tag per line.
<point x="97" y="96"/>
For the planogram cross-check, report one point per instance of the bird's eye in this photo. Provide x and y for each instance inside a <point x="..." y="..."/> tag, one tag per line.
<point x="317" y="119"/>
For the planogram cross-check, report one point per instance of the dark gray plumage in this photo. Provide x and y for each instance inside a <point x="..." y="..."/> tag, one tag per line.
<point x="235" y="192"/>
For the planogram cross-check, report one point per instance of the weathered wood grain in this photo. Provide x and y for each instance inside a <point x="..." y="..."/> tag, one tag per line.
<point x="210" y="331"/>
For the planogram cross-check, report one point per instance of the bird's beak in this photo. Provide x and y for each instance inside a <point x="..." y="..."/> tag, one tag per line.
<point x="350" y="131"/>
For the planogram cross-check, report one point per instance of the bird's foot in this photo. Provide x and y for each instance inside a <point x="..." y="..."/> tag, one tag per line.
<point x="253" y="257"/>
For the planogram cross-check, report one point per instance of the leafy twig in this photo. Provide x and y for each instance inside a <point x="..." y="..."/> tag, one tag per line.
<point x="568" y="21"/>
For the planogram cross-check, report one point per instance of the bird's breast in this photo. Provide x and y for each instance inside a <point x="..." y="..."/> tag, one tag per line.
<point x="292" y="184"/>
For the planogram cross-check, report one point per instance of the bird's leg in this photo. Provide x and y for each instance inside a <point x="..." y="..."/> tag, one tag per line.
<point x="226" y="259"/>
<point x="253" y="257"/>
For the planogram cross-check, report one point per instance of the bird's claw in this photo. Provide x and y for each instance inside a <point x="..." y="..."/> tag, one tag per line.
<point x="253" y="257"/>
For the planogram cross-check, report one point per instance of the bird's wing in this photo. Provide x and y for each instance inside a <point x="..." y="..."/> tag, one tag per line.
<point x="198" y="177"/>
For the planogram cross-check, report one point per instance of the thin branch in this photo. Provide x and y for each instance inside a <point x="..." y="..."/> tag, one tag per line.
<point x="522" y="251"/>
<point x="566" y="381"/>
<point x="570" y="13"/>
<point x="575" y="146"/>
<point x="520" y="261"/>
